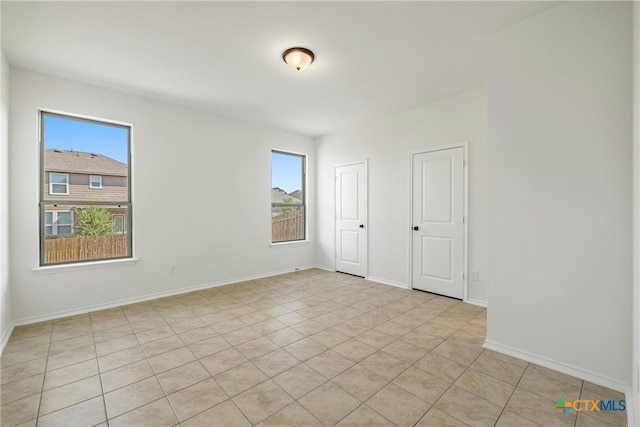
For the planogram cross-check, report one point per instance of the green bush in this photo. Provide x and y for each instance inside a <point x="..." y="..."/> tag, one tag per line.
<point x="93" y="221"/>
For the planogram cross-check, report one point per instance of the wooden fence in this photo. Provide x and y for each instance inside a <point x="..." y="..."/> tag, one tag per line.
<point x="69" y="249"/>
<point x="287" y="226"/>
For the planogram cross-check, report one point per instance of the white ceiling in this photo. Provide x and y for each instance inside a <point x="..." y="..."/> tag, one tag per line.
<point x="372" y="58"/>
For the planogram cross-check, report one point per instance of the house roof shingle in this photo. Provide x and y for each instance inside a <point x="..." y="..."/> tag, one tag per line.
<point x="81" y="162"/>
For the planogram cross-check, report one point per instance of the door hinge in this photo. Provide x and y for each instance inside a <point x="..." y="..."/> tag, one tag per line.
<point x="464" y="219"/>
<point x="462" y="276"/>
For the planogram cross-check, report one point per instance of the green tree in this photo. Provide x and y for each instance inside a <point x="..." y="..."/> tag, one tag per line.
<point x="93" y="221"/>
<point x="289" y="201"/>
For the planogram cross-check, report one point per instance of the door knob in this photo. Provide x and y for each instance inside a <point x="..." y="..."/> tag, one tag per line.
<point x="416" y="228"/>
<point x="361" y="225"/>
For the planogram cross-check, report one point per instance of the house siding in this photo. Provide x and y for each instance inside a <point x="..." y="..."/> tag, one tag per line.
<point x="114" y="188"/>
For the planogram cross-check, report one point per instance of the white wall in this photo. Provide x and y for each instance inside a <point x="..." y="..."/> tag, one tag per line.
<point x="201" y="199"/>
<point x="5" y="292"/>
<point x="387" y="143"/>
<point x="560" y="174"/>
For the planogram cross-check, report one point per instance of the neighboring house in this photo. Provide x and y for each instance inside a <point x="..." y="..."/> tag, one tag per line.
<point x="278" y="195"/>
<point x="296" y="194"/>
<point x="78" y="176"/>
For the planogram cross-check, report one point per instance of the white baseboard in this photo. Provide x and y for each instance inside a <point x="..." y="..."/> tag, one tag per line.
<point x="476" y="302"/>
<point x="127" y="301"/>
<point x="325" y="268"/>
<point x="6" y="334"/>
<point x="559" y="366"/>
<point x="388" y="282"/>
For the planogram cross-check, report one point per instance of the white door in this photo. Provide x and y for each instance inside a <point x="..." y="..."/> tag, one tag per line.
<point x="438" y="222"/>
<point x="351" y="219"/>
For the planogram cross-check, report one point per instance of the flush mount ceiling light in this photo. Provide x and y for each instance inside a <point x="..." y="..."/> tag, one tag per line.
<point x="298" y="58"/>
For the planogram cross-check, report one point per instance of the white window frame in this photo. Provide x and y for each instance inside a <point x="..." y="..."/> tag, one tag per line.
<point x="91" y="178"/>
<point x="122" y="216"/>
<point x="51" y="183"/>
<point x="44" y="220"/>
<point x="54" y="222"/>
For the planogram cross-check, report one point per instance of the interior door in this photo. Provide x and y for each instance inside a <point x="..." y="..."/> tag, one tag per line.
<point x="438" y="222"/>
<point x="351" y="219"/>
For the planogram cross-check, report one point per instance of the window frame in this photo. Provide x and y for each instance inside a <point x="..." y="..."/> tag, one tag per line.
<point x="99" y="186"/>
<point x="46" y="224"/>
<point x="114" y="216"/>
<point x="54" y="222"/>
<point x="43" y="201"/>
<point x="51" y="184"/>
<point x="303" y="188"/>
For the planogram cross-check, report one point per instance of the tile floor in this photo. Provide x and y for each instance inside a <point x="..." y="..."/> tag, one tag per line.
<point x="309" y="348"/>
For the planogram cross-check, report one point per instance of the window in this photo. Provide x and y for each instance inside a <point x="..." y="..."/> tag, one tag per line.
<point x="58" y="223"/>
<point x="58" y="183"/>
<point x="95" y="181"/>
<point x="77" y="224"/>
<point x="118" y="224"/>
<point x="287" y="197"/>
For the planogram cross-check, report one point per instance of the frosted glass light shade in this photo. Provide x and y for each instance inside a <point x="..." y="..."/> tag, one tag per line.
<point x="298" y="58"/>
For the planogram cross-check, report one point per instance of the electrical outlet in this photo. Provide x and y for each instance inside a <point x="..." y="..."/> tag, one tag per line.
<point x="173" y="269"/>
<point x="475" y="276"/>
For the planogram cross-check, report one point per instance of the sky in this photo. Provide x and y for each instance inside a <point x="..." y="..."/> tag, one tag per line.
<point x="79" y="135"/>
<point x="286" y="171"/>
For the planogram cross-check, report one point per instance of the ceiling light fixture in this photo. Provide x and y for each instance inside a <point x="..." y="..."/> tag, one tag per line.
<point x="298" y="58"/>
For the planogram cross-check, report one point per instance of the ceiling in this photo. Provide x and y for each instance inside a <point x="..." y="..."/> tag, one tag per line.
<point x="372" y="58"/>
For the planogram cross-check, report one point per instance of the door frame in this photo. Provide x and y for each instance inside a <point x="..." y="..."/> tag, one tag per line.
<point x="465" y="209"/>
<point x="366" y="229"/>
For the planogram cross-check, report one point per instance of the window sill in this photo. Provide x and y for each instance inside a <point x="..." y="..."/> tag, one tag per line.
<point x="64" y="268"/>
<point x="293" y="242"/>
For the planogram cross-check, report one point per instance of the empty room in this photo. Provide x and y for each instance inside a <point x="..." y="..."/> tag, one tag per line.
<point x="319" y="213"/>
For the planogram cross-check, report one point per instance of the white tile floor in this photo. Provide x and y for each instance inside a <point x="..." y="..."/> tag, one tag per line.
<point x="309" y="348"/>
